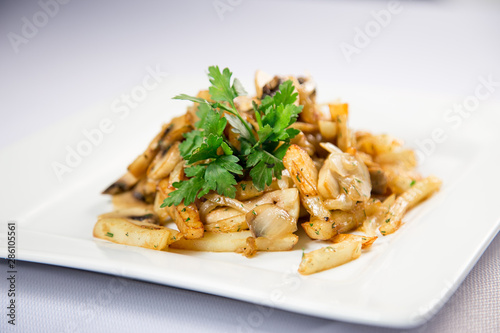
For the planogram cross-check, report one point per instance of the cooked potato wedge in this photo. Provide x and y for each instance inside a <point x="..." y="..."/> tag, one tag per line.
<point x="235" y="242"/>
<point x="366" y="241"/>
<point x="330" y="256"/>
<point x="232" y="224"/>
<point x="134" y="233"/>
<point x="420" y="191"/>
<point x="328" y="129"/>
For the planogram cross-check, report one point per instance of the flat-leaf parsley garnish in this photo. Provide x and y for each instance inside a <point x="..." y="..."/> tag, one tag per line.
<point x="213" y="163"/>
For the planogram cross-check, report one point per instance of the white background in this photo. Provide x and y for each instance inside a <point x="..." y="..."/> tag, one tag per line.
<point x="89" y="54"/>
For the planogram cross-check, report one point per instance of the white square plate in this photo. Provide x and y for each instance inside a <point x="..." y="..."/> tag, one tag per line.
<point x="401" y="282"/>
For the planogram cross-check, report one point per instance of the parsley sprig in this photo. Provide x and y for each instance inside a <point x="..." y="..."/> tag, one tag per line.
<point x="262" y="149"/>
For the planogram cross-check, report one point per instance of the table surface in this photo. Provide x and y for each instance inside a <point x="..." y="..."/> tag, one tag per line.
<point x="79" y="55"/>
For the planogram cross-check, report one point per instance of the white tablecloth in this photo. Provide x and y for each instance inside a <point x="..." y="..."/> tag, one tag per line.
<point x="80" y="54"/>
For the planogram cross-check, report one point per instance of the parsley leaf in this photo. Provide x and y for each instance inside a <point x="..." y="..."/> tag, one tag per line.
<point x="185" y="190"/>
<point x="194" y="139"/>
<point x="210" y="120"/>
<point x="190" y="98"/>
<point x="274" y="117"/>
<point x="218" y="175"/>
<point x="221" y="89"/>
<point x="264" y="167"/>
<point x="207" y="149"/>
<point x="262" y="148"/>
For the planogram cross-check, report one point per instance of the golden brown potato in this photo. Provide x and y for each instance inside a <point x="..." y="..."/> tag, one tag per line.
<point x="330" y="256"/>
<point x="366" y="241"/>
<point x="231" y="224"/>
<point x="235" y="241"/>
<point x="328" y="129"/>
<point x="305" y="127"/>
<point x="132" y="232"/>
<point x="418" y="192"/>
<point x="305" y="176"/>
<point x="245" y="189"/>
<point x="187" y="218"/>
<point x="188" y="221"/>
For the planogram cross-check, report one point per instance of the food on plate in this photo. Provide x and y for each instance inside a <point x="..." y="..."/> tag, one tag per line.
<point x="244" y="174"/>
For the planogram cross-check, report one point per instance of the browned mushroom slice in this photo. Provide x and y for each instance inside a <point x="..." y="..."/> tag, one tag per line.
<point x="270" y="221"/>
<point x="165" y="161"/>
<point x="174" y="135"/>
<point x="135" y="214"/>
<point x="306" y="88"/>
<point x="125" y="183"/>
<point x="140" y="191"/>
<point x="127" y="200"/>
<point x="271" y="87"/>
<point x="169" y="135"/>
<point x="149" y="190"/>
<point x="140" y="165"/>
<point x="261" y="79"/>
<point x="378" y="179"/>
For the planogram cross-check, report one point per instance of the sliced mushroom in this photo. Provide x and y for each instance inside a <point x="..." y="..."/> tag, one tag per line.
<point x="287" y="199"/>
<point x="168" y="136"/>
<point x="270" y="221"/>
<point x="343" y="175"/>
<point x="127" y="200"/>
<point x="306" y="88"/>
<point x="261" y="79"/>
<point x="140" y="165"/>
<point x="272" y="86"/>
<point x="267" y="85"/>
<point x="125" y="183"/>
<point x="378" y="179"/>
<point x="302" y="141"/>
<point x="134" y="214"/>
<point x="164" y="162"/>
